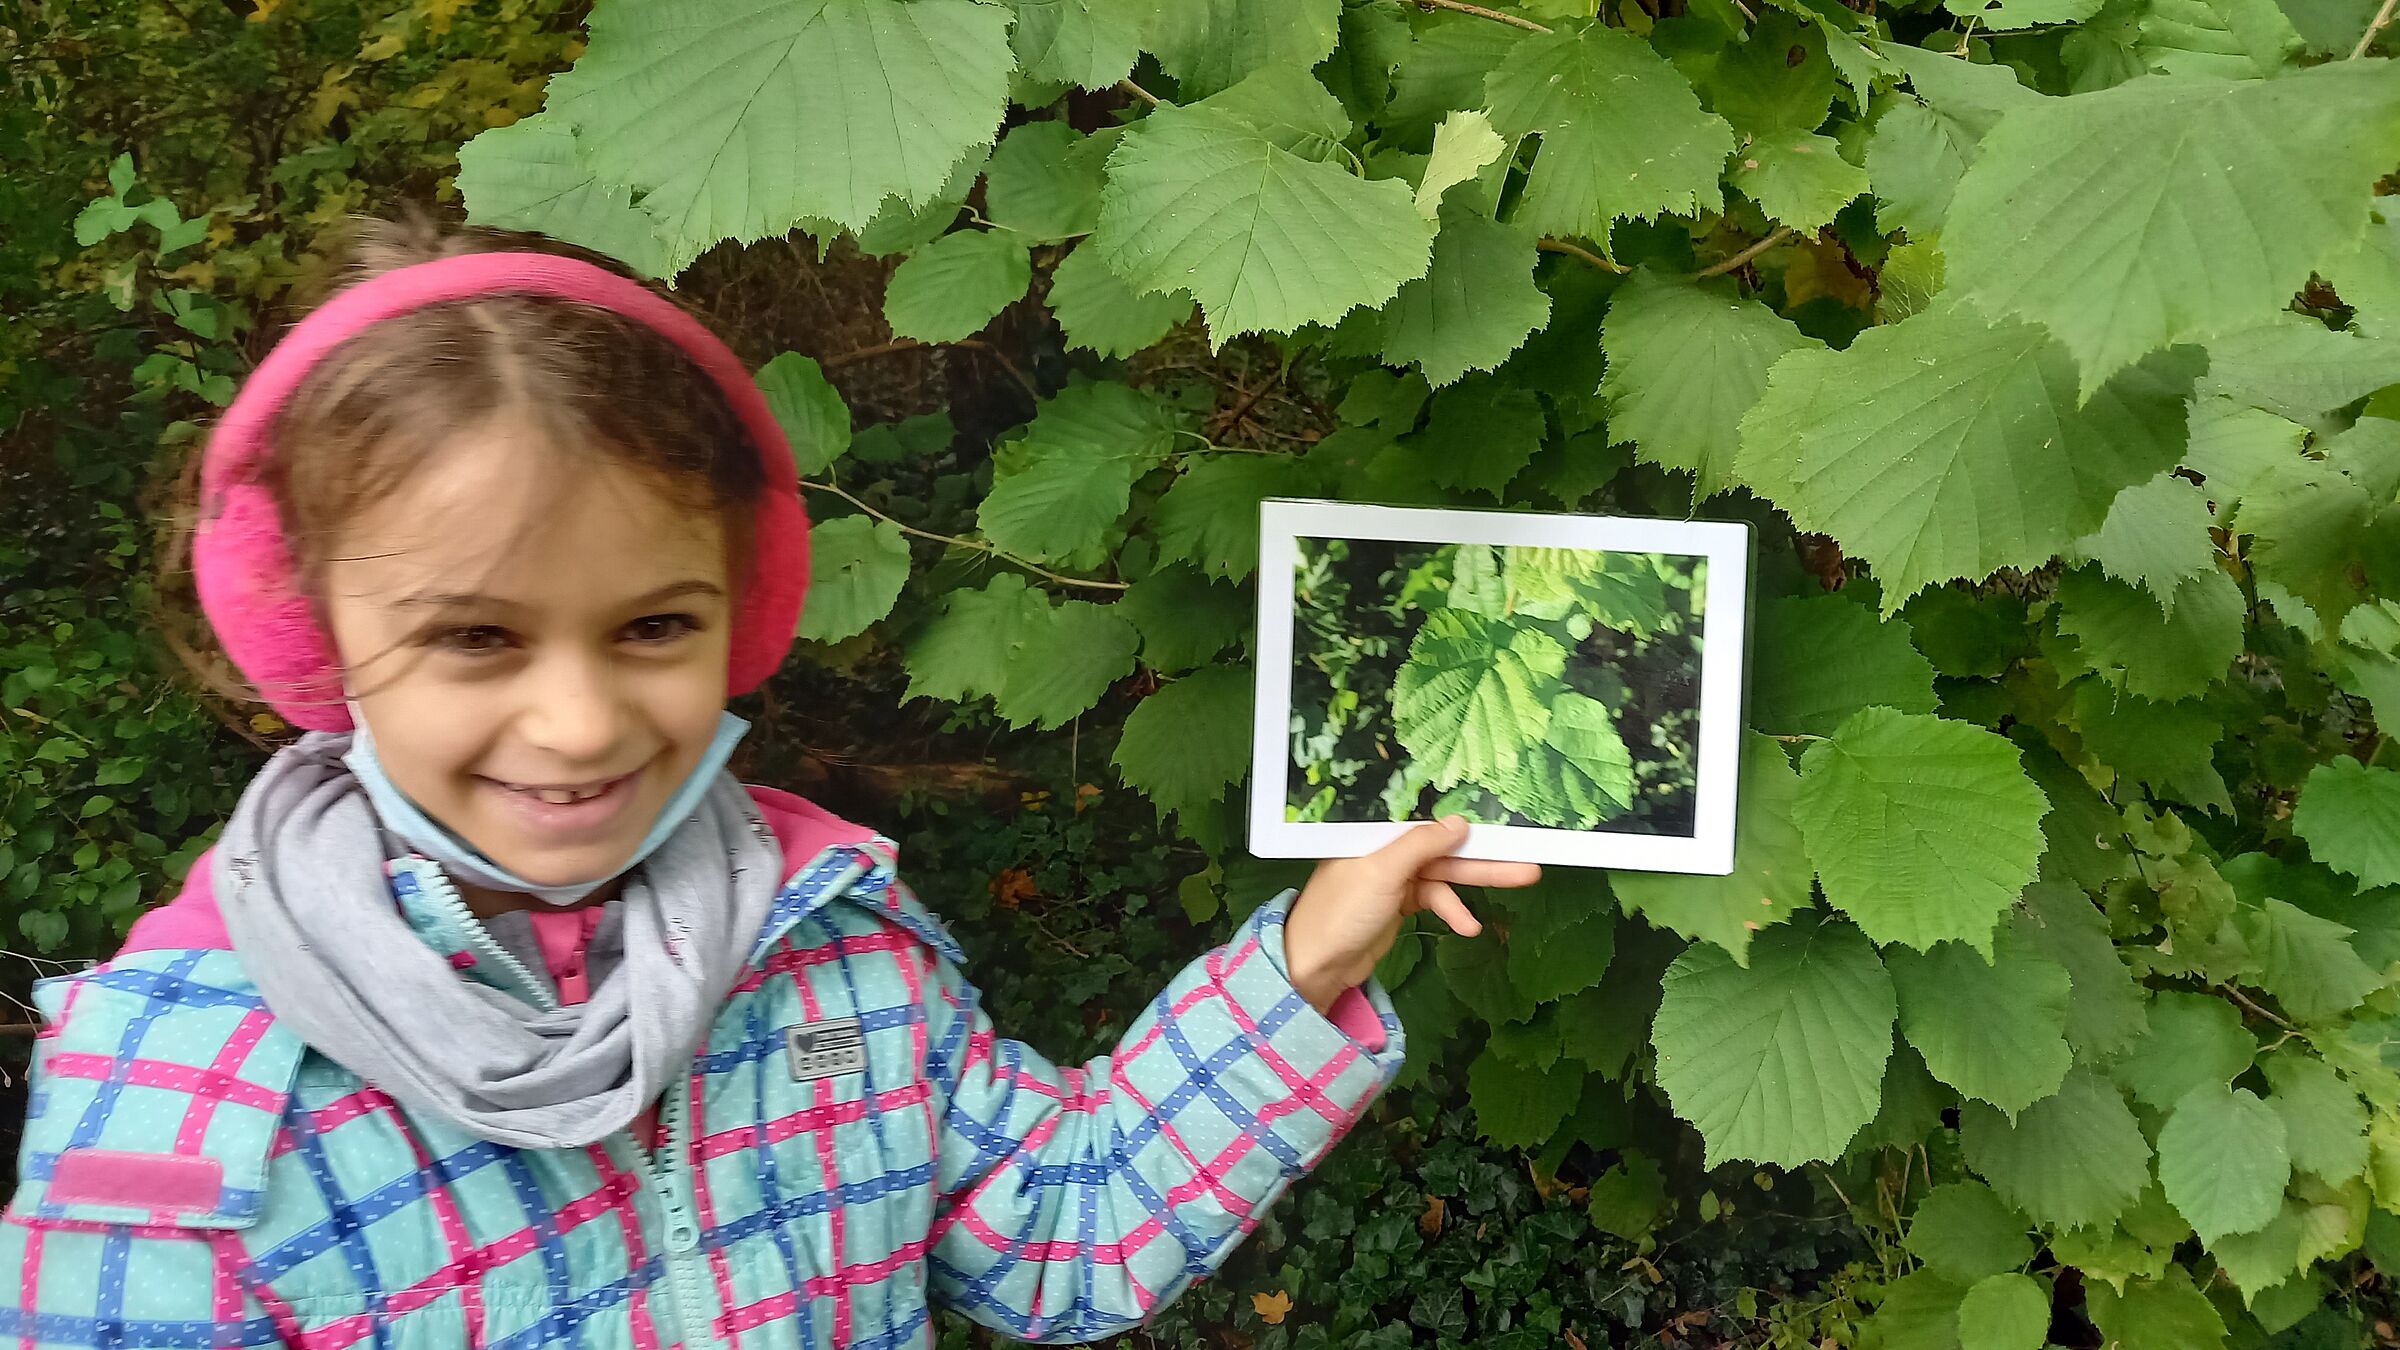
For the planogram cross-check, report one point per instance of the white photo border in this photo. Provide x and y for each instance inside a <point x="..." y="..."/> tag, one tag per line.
<point x="1725" y="623"/>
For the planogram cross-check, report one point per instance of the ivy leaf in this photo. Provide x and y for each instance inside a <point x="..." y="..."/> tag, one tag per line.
<point x="1481" y="435"/>
<point x="2105" y="1010"/>
<point x="1798" y="178"/>
<point x="2221" y="1159"/>
<point x="1821" y="658"/>
<point x="1462" y="145"/>
<point x="2163" y="1314"/>
<point x="1474" y="305"/>
<point x="2227" y="39"/>
<point x="1521" y="1107"/>
<point x="1189" y="741"/>
<point x="856" y="568"/>
<point x="949" y="289"/>
<point x="1963" y="1232"/>
<point x="1770" y="878"/>
<point x="1996" y="1031"/>
<point x="1184" y="618"/>
<point x="1043" y="182"/>
<point x="1099" y="312"/>
<point x="1945" y="446"/>
<point x="1088" y="43"/>
<point x="2246" y="185"/>
<point x="1585" y="778"/>
<point x="1473" y="693"/>
<point x="2007" y="1311"/>
<point x="1922" y="829"/>
<point x="2155" y="537"/>
<point x="2324" y="1125"/>
<point x="527" y="176"/>
<point x="2195" y="1041"/>
<point x="735" y="119"/>
<point x="1781" y="1062"/>
<point x="2071" y="1160"/>
<point x="2307" y="962"/>
<point x="2120" y="632"/>
<point x="1209" y="518"/>
<point x="1622" y="132"/>
<point x="1685" y="361"/>
<point x="1208" y="45"/>
<point x="1208" y="201"/>
<point x="811" y="411"/>
<point x="2350" y="816"/>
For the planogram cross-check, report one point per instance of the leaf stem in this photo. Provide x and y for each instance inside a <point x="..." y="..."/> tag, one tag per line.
<point x="1796" y="736"/>
<point x="2244" y="999"/>
<point x="2382" y="17"/>
<point x="1480" y="12"/>
<point x="1137" y="91"/>
<point x="1579" y="251"/>
<point x="1782" y="232"/>
<point x="977" y="545"/>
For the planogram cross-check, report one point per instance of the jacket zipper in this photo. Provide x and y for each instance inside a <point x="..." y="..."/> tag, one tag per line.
<point x="444" y="893"/>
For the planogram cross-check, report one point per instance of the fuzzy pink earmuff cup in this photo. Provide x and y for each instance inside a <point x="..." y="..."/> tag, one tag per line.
<point x="242" y="559"/>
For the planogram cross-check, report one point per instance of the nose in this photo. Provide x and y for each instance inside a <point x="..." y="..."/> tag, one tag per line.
<point x="574" y="710"/>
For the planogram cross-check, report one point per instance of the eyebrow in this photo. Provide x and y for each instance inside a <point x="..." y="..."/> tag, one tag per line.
<point x="464" y="599"/>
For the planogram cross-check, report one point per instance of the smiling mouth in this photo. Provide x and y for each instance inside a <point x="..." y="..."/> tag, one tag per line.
<point x="562" y="794"/>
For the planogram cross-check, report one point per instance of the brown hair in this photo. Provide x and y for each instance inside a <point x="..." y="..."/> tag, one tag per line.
<point x="377" y="407"/>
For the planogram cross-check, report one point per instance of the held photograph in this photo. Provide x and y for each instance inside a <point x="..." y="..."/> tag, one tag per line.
<point x="1571" y="685"/>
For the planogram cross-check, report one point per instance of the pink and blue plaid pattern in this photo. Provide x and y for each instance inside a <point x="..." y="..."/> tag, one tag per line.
<point x="193" y="1176"/>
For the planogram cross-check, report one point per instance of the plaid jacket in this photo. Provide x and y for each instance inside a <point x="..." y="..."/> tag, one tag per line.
<point x="853" y="1143"/>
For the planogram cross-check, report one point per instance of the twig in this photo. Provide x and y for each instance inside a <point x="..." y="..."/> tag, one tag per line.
<point x="1579" y="251"/>
<point x="2244" y="999"/>
<point x="1250" y="400"/>
<point x="20" y="1028"/>
<point x="2382" y="17"/>
<point x="1782" y="232"/>
<point x="869" y="353"/>
<point x="1137" y="91"/>
<point x="1480" y="12"/>
<point x="999" y="553"/>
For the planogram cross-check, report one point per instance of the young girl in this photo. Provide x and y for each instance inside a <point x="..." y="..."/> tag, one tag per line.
<point x="502" y="1015"/>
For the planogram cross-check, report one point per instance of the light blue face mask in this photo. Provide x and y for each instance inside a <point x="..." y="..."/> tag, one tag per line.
<point x="467" y="863"/>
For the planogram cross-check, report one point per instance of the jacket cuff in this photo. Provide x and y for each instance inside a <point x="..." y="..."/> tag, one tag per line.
<point x="1356" y="1051"/>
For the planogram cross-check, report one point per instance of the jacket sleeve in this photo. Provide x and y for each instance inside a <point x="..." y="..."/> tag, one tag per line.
<point x="1076" y="1202"/>
<point x="72" y="1285"/>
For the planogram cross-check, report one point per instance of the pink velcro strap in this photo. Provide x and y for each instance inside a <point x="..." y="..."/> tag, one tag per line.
<point x="100" y="1176"/>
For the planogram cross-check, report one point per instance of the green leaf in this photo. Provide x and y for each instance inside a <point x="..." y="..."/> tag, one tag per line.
<point x="1770" y="878"/>
<point x="2228" y="39"/>
<point x="2167" y="746"/>
<point x="1922" y="829"/>
<point x="1477" y="971"/>
<point x="2105" y="1008"/>
<point x="2350" y="816"/>
<point x="2296" y="367"/>
<point x="1518" y="1107"/>
<point x="2221" y="1159"/>
<point x="2307" y="962"/>
<point x="2004" y="15"/>
<point x="1964" y="1233"/>
<point x="1209" y="518"/>
<point x="1798" y="178"/>
<point x="2155" y="537"/>
<point x="1090" y="43"/>
<point x="1585" y="777"/>
<point x="1622" y="132"/>
<point x="949" y="289"/>
<point x="527" y="176"/>
<point x="1189" y="741"/>
<point x="960" y="654"/>
<point x="2195" y="1041"/>
<point x="1100" y="313"/>
<point x="1563" y="934"/>
<point x="1474" y="306"/>
<point x="1071" y="652"/>
<point x="2243" y="188"/>
<point x="2324" y="1124"/>
<point x="1685" y="361"/>
<point x="120" y="173"/>
<point x="1994" y="1031"/>
<point x="856" y="568"/>
<point x="735" y="119"/>
<point x="2166" y="1314"/>
<point x="1481" y="435"/>
<point x="1822" y="658"/>
<point x="1043" y="182"/>
<point x="1781" y="1062"/>
<point x="1473" y="693"/>
<point x="1774" y="83"/>
<point x="2005" y="1312"/>
<point x="1443" y="70"/>
<point x="1918" y="1311"/>
<point x="1947" y="446"/>
<point x="2308" y="521"/>
<point x="2368" y="275"/>
<point x="2233" y="446"/>
<point x="2070" y="1160"/>
<point x="811" y="411"/>
<point x="1184" y="618"/>
<point x="1208" y="45"/>
<point x="2304" y="1231"/>
<point x="1462" y="145"/>
<point x="2120" y="632"/>
<point x="1059" y="501"/>
<point x="1629" y="1198"/>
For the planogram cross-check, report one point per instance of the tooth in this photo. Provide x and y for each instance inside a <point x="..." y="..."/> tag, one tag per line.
<point x="556" y="796"/>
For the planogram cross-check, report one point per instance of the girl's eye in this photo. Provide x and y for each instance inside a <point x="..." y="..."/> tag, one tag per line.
<point x="662" y="627"/>
<point x="473" y="639"/>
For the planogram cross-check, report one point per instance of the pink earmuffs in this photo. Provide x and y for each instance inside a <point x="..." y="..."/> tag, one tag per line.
<point x="242" y="560"/>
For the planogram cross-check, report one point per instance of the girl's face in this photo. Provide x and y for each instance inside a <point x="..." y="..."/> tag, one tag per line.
<point x="541" y="666"/>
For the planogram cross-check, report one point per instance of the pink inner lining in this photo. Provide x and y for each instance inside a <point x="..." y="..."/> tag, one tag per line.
<point x="1357" y="1019"/>
<point x="563" y="935"/>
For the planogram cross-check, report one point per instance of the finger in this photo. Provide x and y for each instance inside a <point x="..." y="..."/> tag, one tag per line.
<point x="1478" y="872"/>
<point x="1408" y="854"/>
<point x="1438" y="897"/>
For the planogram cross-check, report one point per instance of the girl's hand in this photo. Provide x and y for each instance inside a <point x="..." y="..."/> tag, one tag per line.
<point x="1349" y="913"/>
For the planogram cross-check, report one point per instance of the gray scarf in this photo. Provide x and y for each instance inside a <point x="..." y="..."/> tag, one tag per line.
<point x="300" y="879"/>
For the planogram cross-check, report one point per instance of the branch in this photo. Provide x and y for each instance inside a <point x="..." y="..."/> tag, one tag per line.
<point x="1137" y="91"/>
<point x="1579" y="251"/>
<point x="2243" y="999"/>
<point x="1480" y="12"/>
<point x="1782" y="232"/>
<point x="977" y="546"/>
<point x="2382" y="17"/>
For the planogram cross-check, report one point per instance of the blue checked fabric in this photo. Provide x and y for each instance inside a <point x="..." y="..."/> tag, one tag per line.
<point x="281" y="1201"/>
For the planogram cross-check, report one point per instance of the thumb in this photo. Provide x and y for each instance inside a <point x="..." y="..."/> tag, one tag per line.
<point x="1412" y="852"/>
